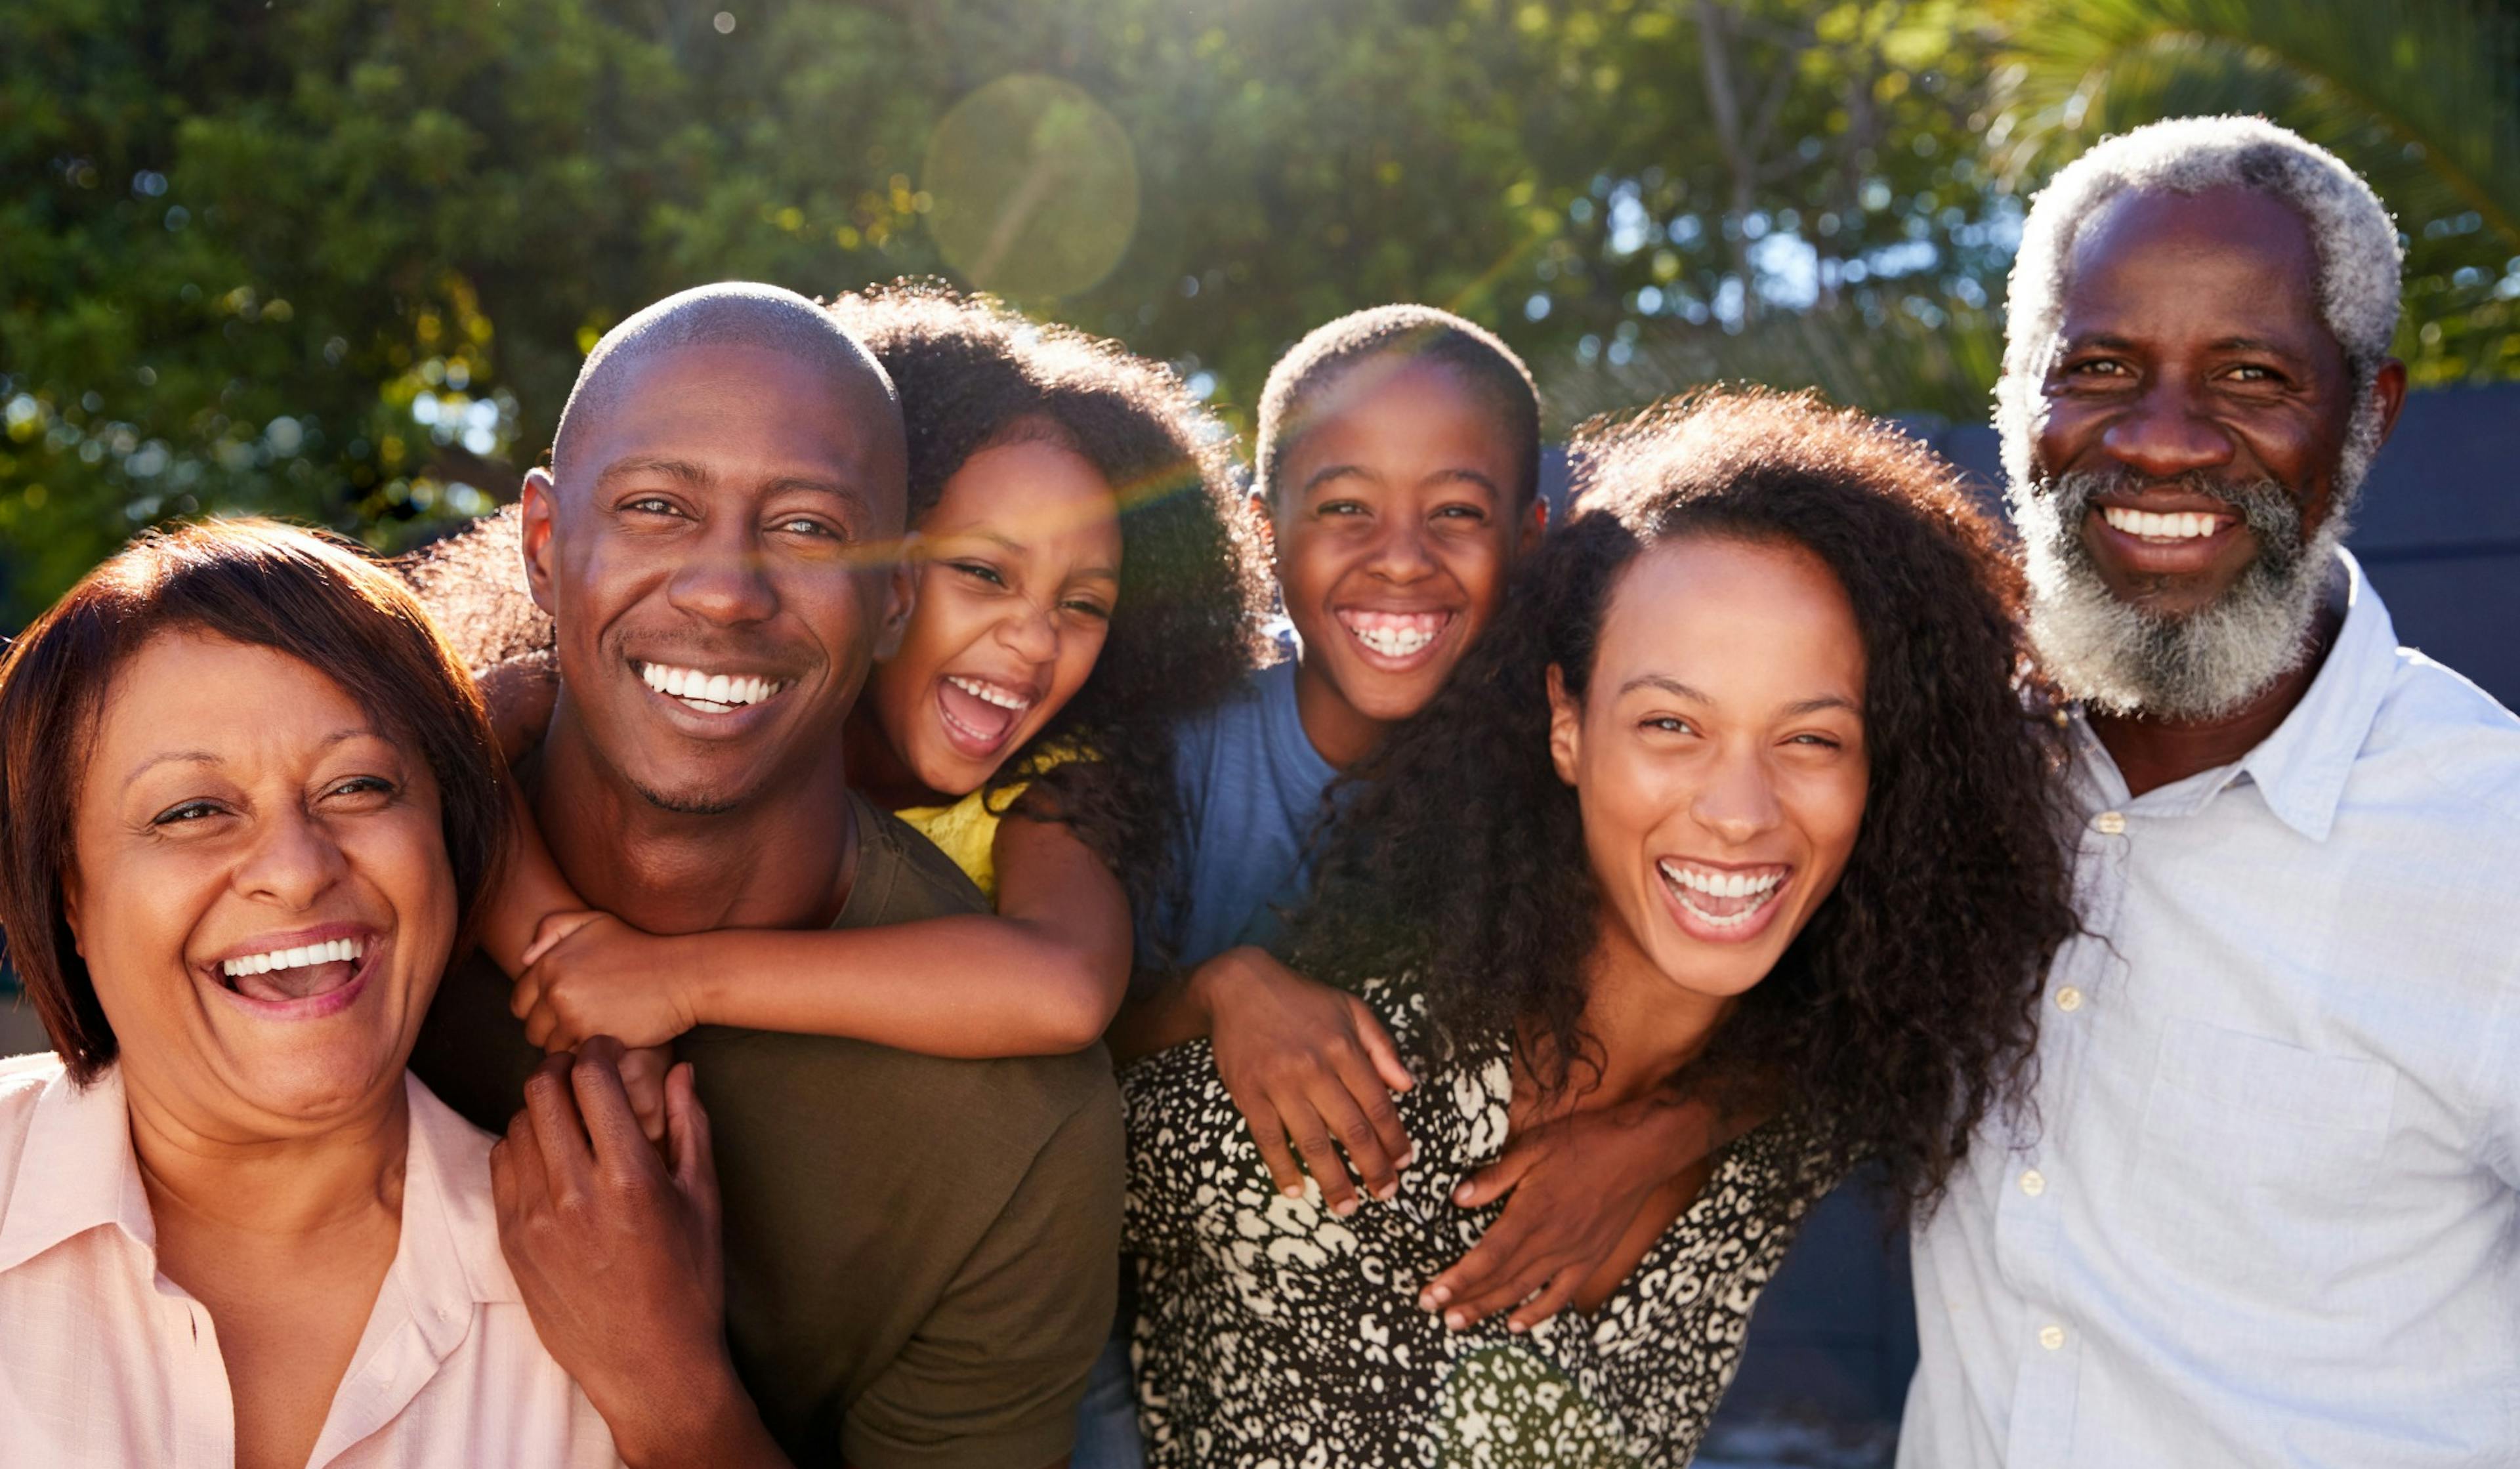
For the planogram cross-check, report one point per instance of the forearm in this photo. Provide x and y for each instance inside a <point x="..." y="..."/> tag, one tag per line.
<point x="530" y="889"/>
<point x="1160" y="1016"/>
<point x="967" y="986"/>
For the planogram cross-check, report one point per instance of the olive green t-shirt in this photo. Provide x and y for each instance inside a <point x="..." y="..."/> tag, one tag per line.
<point x="921" y="1254"/>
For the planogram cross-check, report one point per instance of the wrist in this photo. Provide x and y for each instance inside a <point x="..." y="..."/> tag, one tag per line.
<point x="706" y="1424"/>
<point x="699" y="998"/>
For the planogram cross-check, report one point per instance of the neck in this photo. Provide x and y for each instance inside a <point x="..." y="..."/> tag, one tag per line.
<point x="1645" y="1025"/>
<point x="782" y="862"/>
<point x="2152" y="752"/>
<point x="876" y="768"/>
<point x="1340" y="733"/>
<point x="204" y="1179"/>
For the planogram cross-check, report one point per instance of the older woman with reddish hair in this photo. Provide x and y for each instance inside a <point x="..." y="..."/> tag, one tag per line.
<point x="250" y="803"/>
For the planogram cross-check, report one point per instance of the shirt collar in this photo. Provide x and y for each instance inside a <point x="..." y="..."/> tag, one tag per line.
<point x="450" y="1228"/>
<point x="76" y="1172"/>
<point x="2301" y="769"/>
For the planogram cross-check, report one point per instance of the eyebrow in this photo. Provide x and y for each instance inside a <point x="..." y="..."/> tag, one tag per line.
<point x="1454" y="471"/>
<point x="1013" y="547"/>
<point x="208" y="757"/>
<point x="690" y="473"/>
<point x="1678" y="690"/>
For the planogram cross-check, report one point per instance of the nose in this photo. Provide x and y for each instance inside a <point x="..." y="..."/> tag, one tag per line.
<point x="2162" y="435"/>
<point x="1031" y="633"/>
<point x="723" y="582"/>
<point x="1738" y="803"/>
<point x="1400" y="555"/>
<point x="292" y="863"/>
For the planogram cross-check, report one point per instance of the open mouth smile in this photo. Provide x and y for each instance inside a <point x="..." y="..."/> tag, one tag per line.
<point x="704" y="692"/>
<point x="299" y="981"/>
<point x="978" y="713"/>
<point x="1723" y="904"/>
<point x="2164" y="529"/>
<point x="1394" y="640"/>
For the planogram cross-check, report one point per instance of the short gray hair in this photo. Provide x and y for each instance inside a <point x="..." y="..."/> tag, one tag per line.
<point x="2356" y="240"/>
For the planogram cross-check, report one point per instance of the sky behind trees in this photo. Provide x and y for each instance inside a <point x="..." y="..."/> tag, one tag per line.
<point x="339" y="260"/>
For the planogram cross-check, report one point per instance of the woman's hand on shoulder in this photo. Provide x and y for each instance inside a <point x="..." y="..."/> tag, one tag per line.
<point x="1573" y="1187"/>
<point x="589" y="974"/>
<point x="1307" y="1065"/>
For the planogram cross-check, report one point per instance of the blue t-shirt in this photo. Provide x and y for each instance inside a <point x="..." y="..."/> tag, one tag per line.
<point x="1251" y="785"/>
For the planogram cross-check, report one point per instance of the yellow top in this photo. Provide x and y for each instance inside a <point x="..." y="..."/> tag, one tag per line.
<point x="967" y="831"/>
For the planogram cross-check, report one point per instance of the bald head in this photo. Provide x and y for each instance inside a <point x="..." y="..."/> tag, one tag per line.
<point x="732" y="314"/>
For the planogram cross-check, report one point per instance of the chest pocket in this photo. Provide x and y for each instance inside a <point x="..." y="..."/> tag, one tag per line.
<point x="2255" y="1158"/>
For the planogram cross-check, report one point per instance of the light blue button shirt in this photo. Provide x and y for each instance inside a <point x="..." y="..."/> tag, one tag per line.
<point x="2266" y="1214"/>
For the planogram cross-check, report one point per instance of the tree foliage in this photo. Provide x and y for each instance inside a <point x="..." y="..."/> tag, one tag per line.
<point x="338" y="260"/>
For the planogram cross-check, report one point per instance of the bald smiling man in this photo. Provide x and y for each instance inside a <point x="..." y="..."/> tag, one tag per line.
<point x="919" y="1252"/>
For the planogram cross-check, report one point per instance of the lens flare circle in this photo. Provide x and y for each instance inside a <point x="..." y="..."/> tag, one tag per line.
<point x="1033" y="188"/>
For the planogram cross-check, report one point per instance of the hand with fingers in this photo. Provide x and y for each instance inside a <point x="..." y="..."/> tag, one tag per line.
<point x="587" y="973"/>
<point x="616" y="1253"/>
<point x="1574" y="1187"/>
<point x="1310" y="1066"/>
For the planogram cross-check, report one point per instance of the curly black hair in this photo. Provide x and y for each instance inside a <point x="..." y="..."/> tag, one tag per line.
<point x="1906" y="1008"/>
<point x="975" y="375"/>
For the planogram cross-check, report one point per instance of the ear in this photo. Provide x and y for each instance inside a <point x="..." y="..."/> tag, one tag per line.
<point x="1535" y="523"/>
<point x="2389" y="383"/>
<point x="900" y="598"/>
<point x="1565" y="727"/>
<point x="1256" y="506"/>
<point x="541" y="498"/>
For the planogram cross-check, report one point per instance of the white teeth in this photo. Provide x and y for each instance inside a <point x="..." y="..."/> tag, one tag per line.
<point x="335" y="952"/>
<point x="990" y="694"/>
<point x="2183" y="526"/>
<point x="721" y="689"/>
<point x="1721" y="884"/>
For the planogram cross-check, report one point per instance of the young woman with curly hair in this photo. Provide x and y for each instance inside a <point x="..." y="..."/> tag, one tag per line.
<point x="1739" y="792"/>
<point x="1083" y="582"/>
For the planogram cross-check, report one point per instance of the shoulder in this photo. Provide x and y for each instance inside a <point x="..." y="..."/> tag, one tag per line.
<point x="901" y="876"/>
<point x="1237" y="716"/>
<point x="25" y="1081"/>
<point x="2437" y="728"/>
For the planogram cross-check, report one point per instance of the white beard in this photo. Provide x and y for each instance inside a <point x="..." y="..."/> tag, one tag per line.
<point x="2121" y="659"/>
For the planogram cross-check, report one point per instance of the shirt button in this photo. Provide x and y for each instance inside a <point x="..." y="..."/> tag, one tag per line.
<point x="2051" y="1337"/>
<point x="2109" y="822"/>
<point x="2034" y="1182"/>
<point x="2069" y="999"/>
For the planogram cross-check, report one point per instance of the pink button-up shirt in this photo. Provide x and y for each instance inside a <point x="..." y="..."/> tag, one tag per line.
<point x="104" y="1361"/>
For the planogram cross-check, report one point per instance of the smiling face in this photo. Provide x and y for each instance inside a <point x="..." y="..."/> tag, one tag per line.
<point x="1718" y="756"/>
<point x="1397" y="517"/>
<point x="1019" y="573"/>
<point x="721" y="562"/>
<point x="260" y="887"/>
<point x="2189" y="463"/>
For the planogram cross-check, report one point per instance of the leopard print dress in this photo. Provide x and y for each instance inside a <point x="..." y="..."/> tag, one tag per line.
<point x="1271" y="1332"/>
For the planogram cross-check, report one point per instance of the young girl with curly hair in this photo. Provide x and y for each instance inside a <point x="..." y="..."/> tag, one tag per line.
<point x="1084" y="584"/>
<point x="1740" y="794"/>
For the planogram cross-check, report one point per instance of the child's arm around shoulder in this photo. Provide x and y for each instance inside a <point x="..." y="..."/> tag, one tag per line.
<point x="1041" y="976"/>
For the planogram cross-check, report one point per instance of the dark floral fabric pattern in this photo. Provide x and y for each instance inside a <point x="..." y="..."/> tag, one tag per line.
<point x="1274" y="1334"/>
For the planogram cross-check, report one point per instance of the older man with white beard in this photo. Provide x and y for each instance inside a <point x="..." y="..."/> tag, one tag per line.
<point x="2265" y="1211"/>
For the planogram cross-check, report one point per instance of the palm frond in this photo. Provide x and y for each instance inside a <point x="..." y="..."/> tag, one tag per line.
<point x="2420" y="96"/>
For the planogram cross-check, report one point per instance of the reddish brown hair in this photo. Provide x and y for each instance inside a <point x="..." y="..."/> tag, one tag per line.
<point x="305" y="594"/>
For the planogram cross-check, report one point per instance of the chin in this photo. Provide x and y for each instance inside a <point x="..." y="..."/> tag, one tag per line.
<point x="323" y="1084"/>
